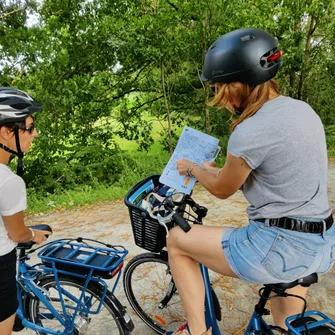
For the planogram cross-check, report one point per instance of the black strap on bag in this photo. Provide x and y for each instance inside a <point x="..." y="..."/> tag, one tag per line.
<point x="300" y="225"/>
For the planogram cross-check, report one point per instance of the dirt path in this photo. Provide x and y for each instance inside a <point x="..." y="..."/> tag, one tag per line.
<point x="109" y="222"/>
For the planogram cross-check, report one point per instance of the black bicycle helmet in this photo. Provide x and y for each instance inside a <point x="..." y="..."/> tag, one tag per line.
<point x="15" y="107"/>
<point x="247" y="55"/>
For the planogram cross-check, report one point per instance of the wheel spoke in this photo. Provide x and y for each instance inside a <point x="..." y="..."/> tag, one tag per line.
<point x="103" y="323"/>
<point x="147" y="281"/>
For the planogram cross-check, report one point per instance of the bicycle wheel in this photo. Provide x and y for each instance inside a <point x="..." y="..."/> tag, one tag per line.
<point x="151" y="292"/>
<point x="107" y="322"/>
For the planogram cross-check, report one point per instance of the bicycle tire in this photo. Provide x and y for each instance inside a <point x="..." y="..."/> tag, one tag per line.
<point x="110" y="320"/>
<point x="146" y="281"/>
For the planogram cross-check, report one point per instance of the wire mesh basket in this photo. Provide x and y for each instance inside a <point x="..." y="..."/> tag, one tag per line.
<point x="148" y="233"/>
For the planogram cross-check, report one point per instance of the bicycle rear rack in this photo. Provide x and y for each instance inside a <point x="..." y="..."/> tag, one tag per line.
<point x="323" y="321"/>
<point x="81" y="258"/>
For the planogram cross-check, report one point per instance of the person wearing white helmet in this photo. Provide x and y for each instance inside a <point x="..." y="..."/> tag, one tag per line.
<point x="17" y="131"/>
<point x="277" y="156"/>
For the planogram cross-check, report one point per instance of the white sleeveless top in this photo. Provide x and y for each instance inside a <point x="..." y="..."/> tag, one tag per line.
<point x="13" y="199"/>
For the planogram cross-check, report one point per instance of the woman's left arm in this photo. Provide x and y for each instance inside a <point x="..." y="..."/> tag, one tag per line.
<point x="229" y="180"/>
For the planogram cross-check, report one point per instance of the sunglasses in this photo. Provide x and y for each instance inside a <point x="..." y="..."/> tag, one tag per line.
<point x="31" y="128"/>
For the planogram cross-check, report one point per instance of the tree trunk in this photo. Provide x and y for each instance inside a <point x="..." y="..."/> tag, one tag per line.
<point x="205" y="25"/>
<point x="167" y="109"/>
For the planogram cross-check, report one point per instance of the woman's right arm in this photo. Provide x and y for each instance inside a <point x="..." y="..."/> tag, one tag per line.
<point x="18" y="232"/>
<point x="211" y="167"/>
<point x="227" y="180"/>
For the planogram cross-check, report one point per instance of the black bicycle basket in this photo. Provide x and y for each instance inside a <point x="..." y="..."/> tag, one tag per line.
<point x="148" y="233"/>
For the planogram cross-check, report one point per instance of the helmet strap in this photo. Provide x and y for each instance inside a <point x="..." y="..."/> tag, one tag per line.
<point x="19" y="169"/>
<point x="19" y="153"/>
<point x="7" y="149"/>
<point x="238" y="110"/>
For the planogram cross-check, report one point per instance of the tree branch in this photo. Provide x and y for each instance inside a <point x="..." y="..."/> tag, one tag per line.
<point x="177" y="9"/>
<point x="2" y="16"/>
<point x="134" y="109"/>
<point x="139" y="72"/>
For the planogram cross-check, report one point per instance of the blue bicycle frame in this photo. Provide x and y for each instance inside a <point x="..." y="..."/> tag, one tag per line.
<point x="28" y="277"/>
<point x="256" y="324"/>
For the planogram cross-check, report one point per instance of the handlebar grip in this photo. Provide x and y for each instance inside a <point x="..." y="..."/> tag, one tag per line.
<point x="181" y="222"/>
<point x="42" y="227"/>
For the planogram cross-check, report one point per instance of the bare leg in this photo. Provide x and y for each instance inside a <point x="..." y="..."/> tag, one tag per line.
<point x="282" y="308"/>
<point x="6" y="326"/>
<point x="200" y="245"/>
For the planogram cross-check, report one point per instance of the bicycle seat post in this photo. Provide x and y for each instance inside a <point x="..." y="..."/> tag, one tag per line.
<point x="260" y="306"/>
<point x="22" y="253"/>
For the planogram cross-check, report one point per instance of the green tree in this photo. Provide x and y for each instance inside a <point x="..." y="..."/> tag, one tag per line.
<point x="100" y="66"/>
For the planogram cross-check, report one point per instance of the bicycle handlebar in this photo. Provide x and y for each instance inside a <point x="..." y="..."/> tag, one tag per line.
<point x="42" y="227"/>
<point x="181" y="222"/>
<point x="171" y="211"/>
<point x="29" y="244"/>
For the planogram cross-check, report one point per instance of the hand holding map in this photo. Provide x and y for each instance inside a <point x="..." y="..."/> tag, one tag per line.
<point x="194" y="146"/>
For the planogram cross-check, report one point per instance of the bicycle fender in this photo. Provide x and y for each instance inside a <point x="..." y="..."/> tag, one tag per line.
<point x="120" y="311"/>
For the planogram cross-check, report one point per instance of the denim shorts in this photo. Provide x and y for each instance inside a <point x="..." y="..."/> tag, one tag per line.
<point x="261" y="254"/>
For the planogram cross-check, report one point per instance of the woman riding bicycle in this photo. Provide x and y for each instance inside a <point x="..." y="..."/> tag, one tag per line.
<point x="16" y="135"/>
<point x="277" y="156"/>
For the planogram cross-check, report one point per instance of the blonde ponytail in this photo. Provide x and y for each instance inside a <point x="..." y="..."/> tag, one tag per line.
<point x="252" y="99"/>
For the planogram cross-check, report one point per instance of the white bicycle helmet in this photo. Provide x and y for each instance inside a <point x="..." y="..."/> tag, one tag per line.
<point x="15" y="107"/>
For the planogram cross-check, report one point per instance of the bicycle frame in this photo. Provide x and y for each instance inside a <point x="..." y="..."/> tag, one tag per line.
<point x="209" y="306"/>
<point x="28" y="276"/>
<point x="256" y="322"/>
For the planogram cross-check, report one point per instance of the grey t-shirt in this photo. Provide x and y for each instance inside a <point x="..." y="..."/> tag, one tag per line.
<point x="284" y="144"/>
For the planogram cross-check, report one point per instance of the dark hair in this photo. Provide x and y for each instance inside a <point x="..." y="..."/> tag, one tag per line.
<point x="12" y="125"/>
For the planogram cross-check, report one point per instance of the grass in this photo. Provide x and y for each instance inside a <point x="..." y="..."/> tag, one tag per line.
<point x="331" y="152"/>
<point x="73" y="198"/>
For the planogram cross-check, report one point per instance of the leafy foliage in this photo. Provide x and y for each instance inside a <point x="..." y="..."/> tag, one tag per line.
<point x="102" y="67"/>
